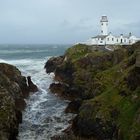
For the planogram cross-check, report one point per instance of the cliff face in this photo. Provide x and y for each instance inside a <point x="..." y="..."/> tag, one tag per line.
<point x="109" y="85"/>
<point x="13" y="89"/>
<point x="78" y="68"/>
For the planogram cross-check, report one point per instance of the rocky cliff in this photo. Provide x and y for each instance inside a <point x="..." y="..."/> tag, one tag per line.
<point x="108" y="83"/>
<point x="13" y="90"/>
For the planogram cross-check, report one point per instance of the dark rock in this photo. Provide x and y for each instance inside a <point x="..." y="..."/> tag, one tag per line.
<point x="19" y="116"/>
<point x="64" y="91"/>
<point x="20" y="104"/>
<point x="12" y="85"/>
<point x="24" y="87"/>
<point x="133" y="79"/>
<point x="64" y="73"/>
<point x="52" y="63"/>
<point x="58" y="88"/>
<point x="109" y="84"/>
<point x="32" y="87"/>
<point x="89" y="128"/>
<point x="73" y="107"/>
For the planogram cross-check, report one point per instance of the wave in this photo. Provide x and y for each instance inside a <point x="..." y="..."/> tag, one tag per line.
<point x="3" y="61"/>
<point x="44" y="115"/>
<point x="28" y="66"/>
<point x="24" y="61"/>
<point x="22" y="51"/>
<point x="44" y="112"/>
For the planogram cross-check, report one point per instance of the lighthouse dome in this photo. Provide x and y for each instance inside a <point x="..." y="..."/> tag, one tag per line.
<point x="104" y="18"/>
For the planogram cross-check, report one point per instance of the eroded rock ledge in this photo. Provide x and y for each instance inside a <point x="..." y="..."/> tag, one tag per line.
<point x="13" y="90"/>
<point x="108" y="83"/>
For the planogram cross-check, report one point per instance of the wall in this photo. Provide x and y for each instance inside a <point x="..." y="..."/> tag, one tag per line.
<point x="112" y="40"/>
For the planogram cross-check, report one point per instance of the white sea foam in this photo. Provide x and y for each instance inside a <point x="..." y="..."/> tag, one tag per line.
<point x="2" y="61"/>
<point x="44" y="115"/>
<point x="22" y="51"/>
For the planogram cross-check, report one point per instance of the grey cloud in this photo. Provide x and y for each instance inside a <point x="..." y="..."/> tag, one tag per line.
<point x="64" y="21"/>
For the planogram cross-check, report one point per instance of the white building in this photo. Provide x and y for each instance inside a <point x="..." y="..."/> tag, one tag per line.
<point x="106" y="38"/>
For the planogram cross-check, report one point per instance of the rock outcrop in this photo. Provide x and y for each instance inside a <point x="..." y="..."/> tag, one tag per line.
<point x="52" y="63"/>
<point x="13" y="90"/>
<point x="109" y="85"/>
<point x="32" y="87"/>
<point x="74" y="106"/>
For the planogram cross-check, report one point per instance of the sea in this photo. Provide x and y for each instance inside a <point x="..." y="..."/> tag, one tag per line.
<point x="44" y="115"/>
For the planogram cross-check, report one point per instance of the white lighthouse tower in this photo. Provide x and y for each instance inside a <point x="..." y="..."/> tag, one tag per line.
<point x="104" y="25"/>
<point x="107" y="39"/>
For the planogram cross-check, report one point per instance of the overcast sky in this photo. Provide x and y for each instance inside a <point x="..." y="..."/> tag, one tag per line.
<point x="64" y="21"/>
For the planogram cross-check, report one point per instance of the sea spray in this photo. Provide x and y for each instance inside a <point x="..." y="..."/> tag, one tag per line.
<point x="44" y="115"/>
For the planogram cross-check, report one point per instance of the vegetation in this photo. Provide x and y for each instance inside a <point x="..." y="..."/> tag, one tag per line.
<point x="11" y="101"/>
<point x="109" y="84"/>
<point x="116" y="102"/>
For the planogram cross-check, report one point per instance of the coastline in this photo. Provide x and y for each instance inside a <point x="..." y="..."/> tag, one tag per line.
<point x="101" y="86"/>
<point x="90" y="75"/>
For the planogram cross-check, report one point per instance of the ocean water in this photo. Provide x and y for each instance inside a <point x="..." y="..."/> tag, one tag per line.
<point x="44" y="115"/>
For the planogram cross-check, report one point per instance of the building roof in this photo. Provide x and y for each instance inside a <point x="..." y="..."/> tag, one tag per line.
<point x="122" y="36"/>
<point x="100" y="36"/>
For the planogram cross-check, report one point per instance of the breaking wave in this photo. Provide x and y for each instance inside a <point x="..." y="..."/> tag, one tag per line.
<point x="44" y="115"/>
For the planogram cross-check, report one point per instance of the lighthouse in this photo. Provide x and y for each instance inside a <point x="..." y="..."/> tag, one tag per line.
<point x="105" y="38"/>
<point x="104" y="25"/>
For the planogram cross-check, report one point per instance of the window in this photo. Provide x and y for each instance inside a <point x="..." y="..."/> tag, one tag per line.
<point x="112" y="39"/>
<point x="108" y="39"/>
<point x="117" y="40"/>
<point x="102" y="31"/>
<point x="102" y="24"/>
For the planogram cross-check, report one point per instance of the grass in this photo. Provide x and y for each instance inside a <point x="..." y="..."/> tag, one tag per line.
<point x="113" y="82"/>
<point x="79" y="51"/>
<point x="104" y="75"/>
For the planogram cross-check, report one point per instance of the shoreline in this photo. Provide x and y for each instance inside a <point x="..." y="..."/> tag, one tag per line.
<point x="73" y="71"/>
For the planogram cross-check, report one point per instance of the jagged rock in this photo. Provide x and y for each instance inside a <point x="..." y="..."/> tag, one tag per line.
<point x="52" y="63"/>
<point x="32" y="87"/>
<point x="58" y="88"/>
<point x="63" y="73"/>
<point x="64" y="91"/>
<point x="86" y="127"/>
<point x="12" y="85"/>
<point x="73" y="106"/>
<point x="109" y="84"/>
